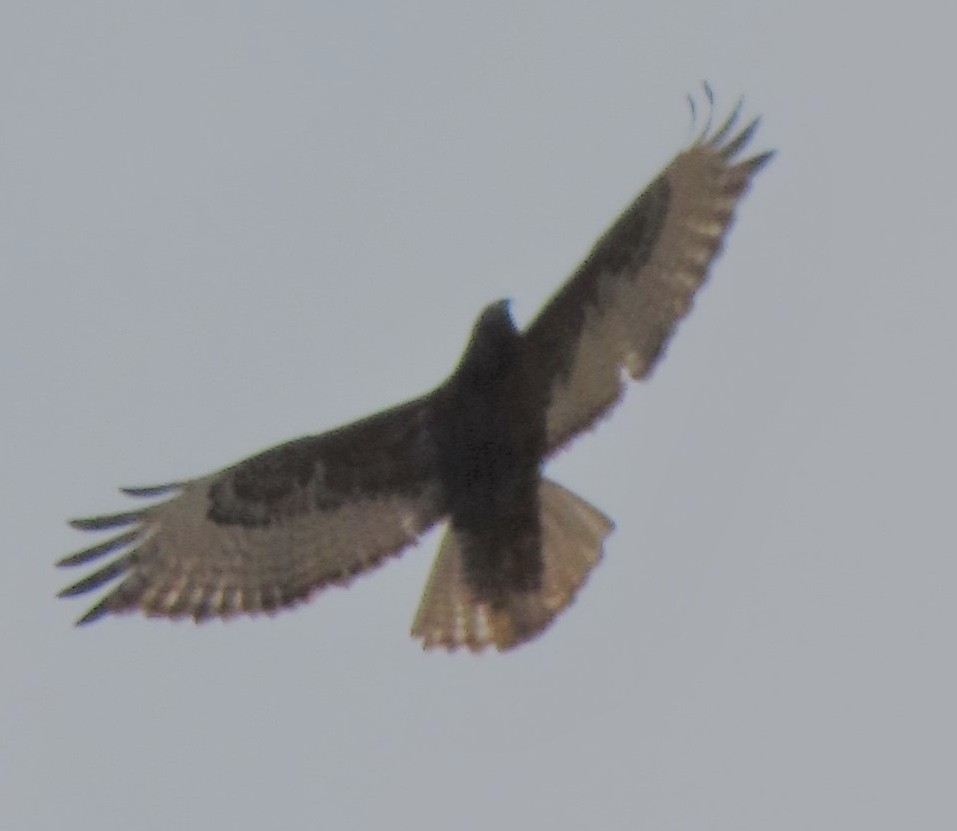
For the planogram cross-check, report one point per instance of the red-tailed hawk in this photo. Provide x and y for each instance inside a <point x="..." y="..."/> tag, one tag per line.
<point x="268" y="532"/>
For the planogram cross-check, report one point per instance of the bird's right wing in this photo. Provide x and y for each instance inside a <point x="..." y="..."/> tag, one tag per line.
<point x="269" y="531"/>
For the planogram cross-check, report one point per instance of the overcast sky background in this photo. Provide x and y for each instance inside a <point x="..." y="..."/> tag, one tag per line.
<point x="223" y="225"/>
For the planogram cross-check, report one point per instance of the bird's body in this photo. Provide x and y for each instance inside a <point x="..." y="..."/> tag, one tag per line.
<point x="269" y="531"/>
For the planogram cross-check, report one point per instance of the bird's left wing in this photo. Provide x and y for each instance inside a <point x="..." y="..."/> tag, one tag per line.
<point x="621" y="306"/>
<point x="269" y="531"/>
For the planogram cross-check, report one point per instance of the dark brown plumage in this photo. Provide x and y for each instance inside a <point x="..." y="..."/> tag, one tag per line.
<point x="271" y="530"/>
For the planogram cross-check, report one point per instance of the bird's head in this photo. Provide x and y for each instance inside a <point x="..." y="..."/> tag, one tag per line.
<point x="494" y="341"/>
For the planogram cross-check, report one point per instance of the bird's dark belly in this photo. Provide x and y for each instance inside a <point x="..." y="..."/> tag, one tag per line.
<point x="489" y="463"/>
<point x="488" y="444"/>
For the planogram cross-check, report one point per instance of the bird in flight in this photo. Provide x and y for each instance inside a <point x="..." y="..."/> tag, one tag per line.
<point x="268" y="532"/>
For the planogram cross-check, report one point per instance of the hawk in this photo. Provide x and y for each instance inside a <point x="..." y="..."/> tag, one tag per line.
<point x="268" y="532"/>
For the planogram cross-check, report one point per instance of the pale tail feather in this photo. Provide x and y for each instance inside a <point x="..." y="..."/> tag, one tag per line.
<point x="573" y="533"/>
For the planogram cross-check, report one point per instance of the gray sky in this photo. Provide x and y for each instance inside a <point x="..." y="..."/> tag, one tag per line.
<point x="226" y="225"/>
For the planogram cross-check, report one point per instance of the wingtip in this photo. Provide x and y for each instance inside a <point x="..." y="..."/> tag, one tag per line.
<point x="734" y="145"/>
<point x="96" y="551"/>
<point x="709" y="97"/>
<point x="140" y="491"/>
<point x="708" y="92"/>
<point x="70" y="591"/>
<point x="102" y="523"/>
<point x="100" y="577"/>
<point x="92" y="615"/>
<point x="757" y="162"/>
<point x="723" y="140"/>
<point x="719" y="135"/>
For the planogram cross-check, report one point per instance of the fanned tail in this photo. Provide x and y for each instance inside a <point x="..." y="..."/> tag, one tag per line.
<point x="449" y="616"/>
